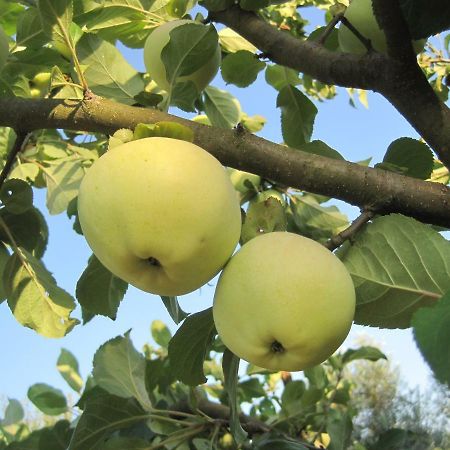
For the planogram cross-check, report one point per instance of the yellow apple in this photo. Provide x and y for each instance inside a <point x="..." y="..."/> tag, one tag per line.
<point x="160" y="213"/>
<point x="360" y="15"/>
<point x="284" y="302"/>
<point x="154" y="45"/>
<point x="240" y="179"/>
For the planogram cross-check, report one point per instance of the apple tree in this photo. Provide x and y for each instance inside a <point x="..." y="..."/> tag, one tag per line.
<point x="69" y="101"/>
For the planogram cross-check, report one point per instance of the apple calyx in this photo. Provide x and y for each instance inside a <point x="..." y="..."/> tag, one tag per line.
<point x="154" y="262"/>
<point x="277" y="347"/>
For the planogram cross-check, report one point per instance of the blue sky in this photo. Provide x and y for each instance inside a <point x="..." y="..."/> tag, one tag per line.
<point x="28" y="358"/>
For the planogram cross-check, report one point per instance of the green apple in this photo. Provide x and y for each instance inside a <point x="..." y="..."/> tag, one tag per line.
<point x="154" y="45"/>
<point x="240" y="180"/>
<point x="160" y="213"/>
<point x="42" y="80"/>
<point x="360" y="15"/>
<point x="4" y="48"/>
<point x="284" y="302"/>
<point x="35" y="92"/>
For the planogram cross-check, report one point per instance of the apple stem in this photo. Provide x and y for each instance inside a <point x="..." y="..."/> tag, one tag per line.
<point x="277" y="347"/>
<point x="367" y="43"/>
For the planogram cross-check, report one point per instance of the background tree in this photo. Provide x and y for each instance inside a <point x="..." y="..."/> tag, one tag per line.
<point x="67" y="95"/>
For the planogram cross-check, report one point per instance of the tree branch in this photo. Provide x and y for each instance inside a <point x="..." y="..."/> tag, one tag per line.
<point x="352" y="183"/>
<point x="21" y="139"/>
<point x="336" y="241"/>
<point x="399" y="80"/>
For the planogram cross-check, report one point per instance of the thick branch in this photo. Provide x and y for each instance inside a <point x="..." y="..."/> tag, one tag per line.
<point x="390" y="18"/>
<point x="401" y="81"/>
<point x="355" y="184"/>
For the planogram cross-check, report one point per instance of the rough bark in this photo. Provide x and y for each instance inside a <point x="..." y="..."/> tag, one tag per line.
<point x="397" y="77"/>
<point x="361" y="186"/>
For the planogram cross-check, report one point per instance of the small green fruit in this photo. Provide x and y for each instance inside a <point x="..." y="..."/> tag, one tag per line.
<point x="35" y="93"/>
<point x="154" y="45"/>
<point x="42" y="80"/>
<point x="360" y="15"/>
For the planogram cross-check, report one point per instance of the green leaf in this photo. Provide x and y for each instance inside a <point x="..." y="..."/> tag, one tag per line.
<point x="291" y="396"/>
<point x="63" y="178"/>
<point x="415" y="156"/>
<point x="119" y="369"/>
<point x="174" y="309"/>
<point x="128" y="443"/>
<point x="188" y="347"/>
<point x="30" y="33"/>
<point x="56" y="19"/>
<point x="298" y="113"/>
<point x="158" y="375"/>
<point x="56" y="437"/>
<point x="163" y="129"/>
<point x="103" y="414"/>
<point x="426" y="18"/>
<point x="25" y="172"/>
<point x="67" y="366"/>
<point x="320" y="148"/>
<point x="184" y="95"/>
<point x="253" y="123"/>
<point x="107" y="72"/>
<point x="432" y="334"/>
<point x="34" y="298"/>
<point x="16" y="196"/>
<point x="190" y="45"/>
<point x="99" y="291"/>
<point x="316" y="221"/>
<point x="279" y="76"/>
<point x="241" y="68"/>
<point x="317" y="377"/>
<point x="271" y="443"/>
<point x="49" y="400"/>
<point x="10" y="13"/>
<point x="231" y="42"/>
<point x="4" y="256"/>
<point x="367" y="352"/>
<point x="230" y="366"/>
<point x="7" y="139"/>
<point x="339" y="427"/>
<point x="263" y="217"/>
<point x="331" y="43"/>
<point x="160" y="333"/>
<point x="13" y="414"/>
<point x="398" y="265"/>
<point x="222" y="109"/>
<point x="29" y="230"/>
<point x="250" y="389"/>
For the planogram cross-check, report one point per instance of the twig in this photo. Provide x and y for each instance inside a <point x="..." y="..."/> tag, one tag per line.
<point x="329" y="28"/>
<point x="19" y="144"/>
<point x="367" y="43"/>
<point x="337" y="240"/>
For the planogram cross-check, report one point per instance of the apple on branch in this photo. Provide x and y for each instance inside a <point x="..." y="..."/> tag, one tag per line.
<point x="284" y="302"/>
<point x="153" y="48"/>
<point x="360" y="14"/>
<point x="160" y="213"/>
